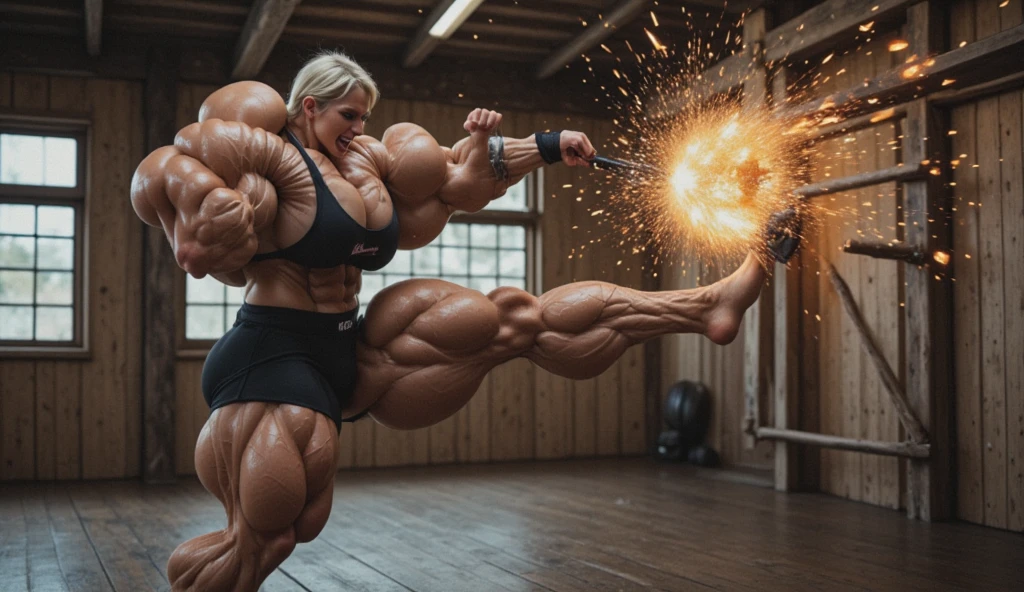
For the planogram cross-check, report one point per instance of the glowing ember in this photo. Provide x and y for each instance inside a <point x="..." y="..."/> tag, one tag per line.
<point x="898" y="45"/>
<point x="941" y="257"/>
<point x="866" y="27"/>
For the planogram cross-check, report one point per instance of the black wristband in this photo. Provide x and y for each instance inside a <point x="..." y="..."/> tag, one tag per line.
<point x="549" y="144"/>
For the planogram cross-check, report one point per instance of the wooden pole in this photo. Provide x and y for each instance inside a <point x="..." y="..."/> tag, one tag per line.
<point x="896" y="173"/>
<point x="910" y="422"/>
<point x="159" y="269"/>
<point x="886" y="251"/>
<point x="928" y="337"/>
<point x="853" y="124"/>
<point x="907" y="449"/>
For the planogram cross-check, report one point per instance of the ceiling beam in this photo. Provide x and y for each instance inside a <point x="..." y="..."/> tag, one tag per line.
<point x="623" y="13"/>
<point x="423" y="42"/>
<point x="93" y="26"/>
<point x="267" y="20"/>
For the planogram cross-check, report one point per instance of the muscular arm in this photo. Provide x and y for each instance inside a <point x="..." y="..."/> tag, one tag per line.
<point x="212" y="192"/>
<point x="428" y="182"/>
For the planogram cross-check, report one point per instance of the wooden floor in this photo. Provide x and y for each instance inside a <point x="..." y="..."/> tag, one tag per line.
<point x="567" y="526"/>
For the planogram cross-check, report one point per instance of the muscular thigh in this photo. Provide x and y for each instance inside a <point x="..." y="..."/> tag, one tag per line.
<point x="268" y="463"/>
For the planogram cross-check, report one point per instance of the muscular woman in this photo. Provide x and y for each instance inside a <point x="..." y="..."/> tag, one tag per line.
<point x="294" y="202"/>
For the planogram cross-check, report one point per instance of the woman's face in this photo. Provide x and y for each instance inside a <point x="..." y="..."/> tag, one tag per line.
<point x="339" y="122"/>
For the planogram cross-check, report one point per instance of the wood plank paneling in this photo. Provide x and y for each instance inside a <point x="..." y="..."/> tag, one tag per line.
<point x="1011" y="154"/>
<point x="46" y="404"/>
<point x="17" y="420"/>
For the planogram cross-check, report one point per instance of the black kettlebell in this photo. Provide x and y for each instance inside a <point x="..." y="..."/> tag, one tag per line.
<point x="688" y="411"/>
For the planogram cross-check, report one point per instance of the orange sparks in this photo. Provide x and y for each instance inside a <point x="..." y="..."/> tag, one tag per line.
<point x="866" y="26"/>
<point x="883" y="115"/>
<point x="911" y="71"/>
<point x="941" y="257"/>
<point x="827" y="59"/>
<point x="1004" y="4"/>
<point x="654" y="41"/>
<point x="948" y="81"/>
<point x="654" y="19"/>
<point x="898" y="45"/>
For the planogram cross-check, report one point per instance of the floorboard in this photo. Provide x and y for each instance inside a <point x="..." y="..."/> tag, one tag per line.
<point x="560" y="526"/>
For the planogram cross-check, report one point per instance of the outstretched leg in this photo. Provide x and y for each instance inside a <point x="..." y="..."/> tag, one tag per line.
<point x="272" y="466"/>
<point x="427" y="344"/>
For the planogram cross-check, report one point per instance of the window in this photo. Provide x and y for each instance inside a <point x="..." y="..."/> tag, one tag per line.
<point x="482" y="250"/>
<point x="42" y="191"/>
<point x="210" y="307"/>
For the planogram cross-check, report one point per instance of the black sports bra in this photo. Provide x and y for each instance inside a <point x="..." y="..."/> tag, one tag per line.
<point x="336" y="239"/>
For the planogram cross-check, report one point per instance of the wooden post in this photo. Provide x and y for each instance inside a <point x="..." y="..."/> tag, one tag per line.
<point x="787" y="343"/>
<point x="159" y="268"/>
<point x="927" y="311"/>
<point x="651" y="282"/>
<point x="758" y="320"/>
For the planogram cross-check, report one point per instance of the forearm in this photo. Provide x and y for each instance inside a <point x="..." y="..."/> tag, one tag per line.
<point x="522" y="156"/>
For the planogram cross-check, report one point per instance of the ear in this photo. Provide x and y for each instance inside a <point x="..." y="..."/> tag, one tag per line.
<point x="309" y="107"/>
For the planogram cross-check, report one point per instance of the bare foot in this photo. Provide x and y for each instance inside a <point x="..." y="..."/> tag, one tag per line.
<point x="732" y="296"/>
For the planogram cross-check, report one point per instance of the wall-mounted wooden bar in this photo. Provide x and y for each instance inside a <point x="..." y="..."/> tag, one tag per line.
<point x="855" y="124"/>
<point x="910" y="422"/>
<point x="815" y="29"/>
<point x="907" y="449"/>
<point x="974" y="63"/>
<point x="959" y="96"/>
<point x="886" y="251"/>
<point x="896" y="173"/>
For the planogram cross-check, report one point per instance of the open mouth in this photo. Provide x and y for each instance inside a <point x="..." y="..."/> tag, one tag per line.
<point x="342" y="143"/>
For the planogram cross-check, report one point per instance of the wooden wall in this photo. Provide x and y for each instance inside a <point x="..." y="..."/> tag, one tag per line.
<point x="520" y="412"/>
<point x="81" y="418"/>
<point x="851" y="401"/>
<point x="988" y="250"/>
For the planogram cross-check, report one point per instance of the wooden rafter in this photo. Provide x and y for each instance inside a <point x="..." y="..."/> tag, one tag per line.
<point x="267" y="20"/>
<point x="623" y="13"/>
<point x="93" y="26"/>
<point x="423" y="43"/>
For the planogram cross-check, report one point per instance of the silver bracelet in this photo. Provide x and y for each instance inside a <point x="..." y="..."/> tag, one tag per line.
<point x="496" y="152"/>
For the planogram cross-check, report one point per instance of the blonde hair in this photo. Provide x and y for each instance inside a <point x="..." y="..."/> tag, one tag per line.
<point x="329" y="76"/>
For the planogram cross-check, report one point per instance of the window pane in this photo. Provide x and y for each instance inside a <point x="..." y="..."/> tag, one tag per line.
<point x="512" y="237"/>
<point x="61" y="162"/>
<point x="514" y="283"/>
<point x="483" y="235"/>
<point x="402" y="263"/>
<point x="235" y="296"/>
<point x="455" y="235"/>
<point x="55" y="287"/>
<point x="56" y="253"/>
<point x="206" y="290"/>
<point x="373" y="282"/>
<point x="16" y="287"/>
<point x="513" y="263"/>
<point x="54" y="324"/>
<point x="17" y="219"/>
<point x="484" y="262"/>
<point x="204" y="322"/>
<point x="484" y="284"/>
<point x="455" y="260"/>
<point x="514" y="199"/>
<point x="56" y="221"/>
<point x="21" y="159"/>
<point x="17" y="251"/>
<point x="427" y="261"/>
<point x="16" y="322"/>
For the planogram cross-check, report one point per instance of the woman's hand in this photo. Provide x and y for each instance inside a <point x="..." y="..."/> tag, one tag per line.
<point x="482" y="120"/>
<point x="576" y="148"/>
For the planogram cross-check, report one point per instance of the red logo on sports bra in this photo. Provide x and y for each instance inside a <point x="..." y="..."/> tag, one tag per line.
<point x="359" y="249"/>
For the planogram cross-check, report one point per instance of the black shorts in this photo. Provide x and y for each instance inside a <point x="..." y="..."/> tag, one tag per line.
<point x="283" y="355"/>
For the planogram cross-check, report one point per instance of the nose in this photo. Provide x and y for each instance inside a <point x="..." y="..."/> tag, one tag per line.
<point x="357" y="127"/>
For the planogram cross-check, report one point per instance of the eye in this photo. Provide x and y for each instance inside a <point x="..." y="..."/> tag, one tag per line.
<point x="348" y="115"/>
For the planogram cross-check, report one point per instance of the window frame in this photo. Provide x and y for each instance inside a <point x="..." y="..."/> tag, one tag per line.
<point x="529" y="220"/>
<point x="76" y="197"/>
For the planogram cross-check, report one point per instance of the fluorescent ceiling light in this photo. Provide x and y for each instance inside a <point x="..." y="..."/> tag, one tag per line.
<point x="453" y="18"/>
